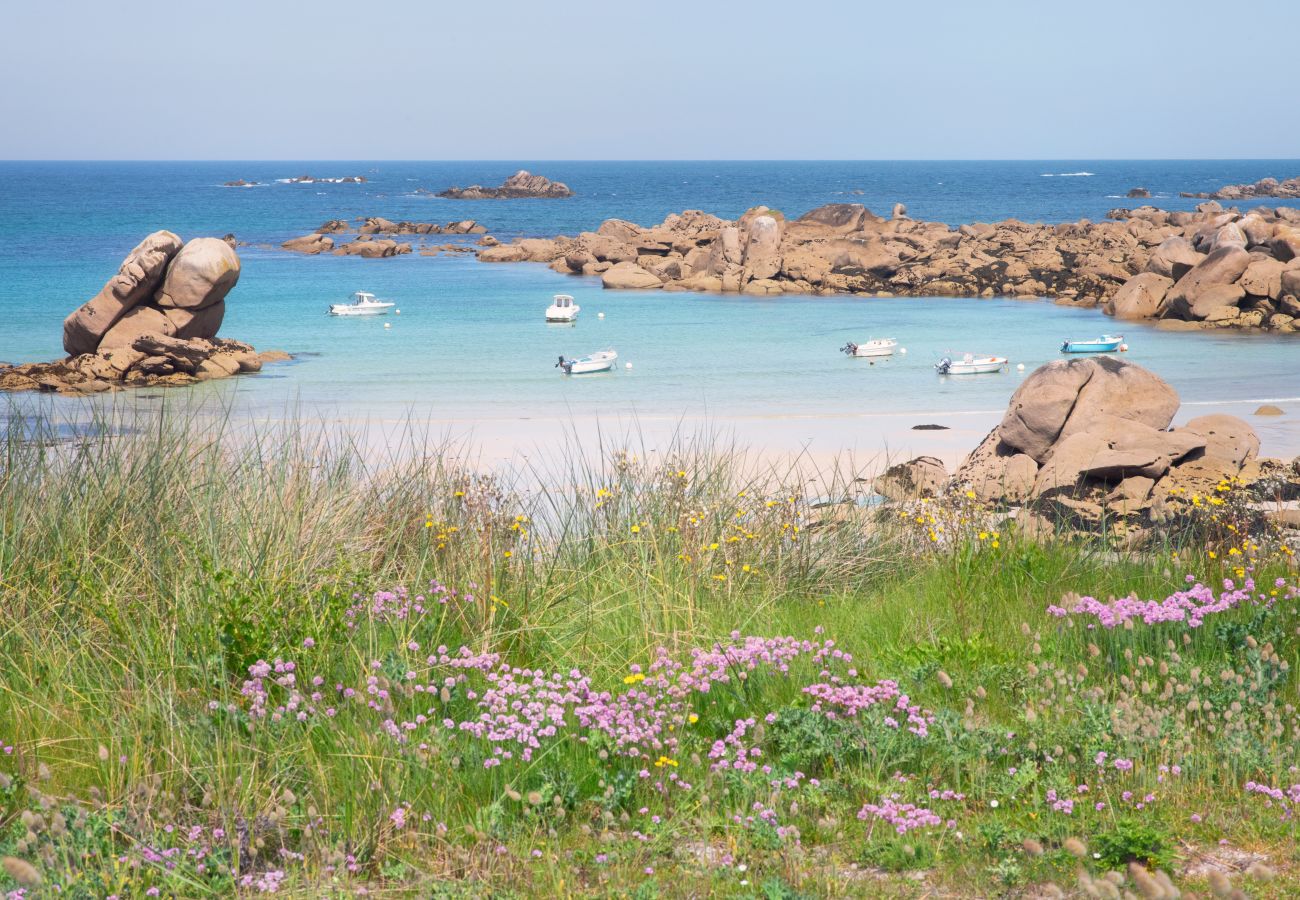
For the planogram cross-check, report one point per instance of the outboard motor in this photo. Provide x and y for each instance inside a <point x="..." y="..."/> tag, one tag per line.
<point x="1065" y="347"/>
<point x="565" y="366"/>
<point x="850" y="348"/>
<point x="943" y="365"/>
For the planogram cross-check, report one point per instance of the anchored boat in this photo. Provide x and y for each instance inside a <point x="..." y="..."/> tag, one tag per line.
<point x="1107" y="343"/>
<point x="874" y="347"/>
<point x="363" y="304"/>
<point x="562" y="309"/>
<point x="970" y="364"/>
<point x="601" y="361"/>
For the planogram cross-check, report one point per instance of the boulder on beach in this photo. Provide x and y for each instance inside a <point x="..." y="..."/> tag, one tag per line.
<point x="311" y="244"/>
<point x="629" y="276"/>
<point x="1085" y="439"/>
<point x="134" y="283"/>
<point x="201" y="274"/>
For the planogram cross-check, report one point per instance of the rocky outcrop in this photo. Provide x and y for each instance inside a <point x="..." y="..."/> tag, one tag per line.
<point x="519" y="185"/>
<point x="311" y="244"/>
<point x="155" y="322"/>
<point x="372" y="249"/>
<point x="239" y="182"/>
<point x="1140" y="193"/>
<point x="1265" y="187"/>
<point x="319" y="241"/>
<point x="1088" y="440"/>
<point x="1177" y="258"/>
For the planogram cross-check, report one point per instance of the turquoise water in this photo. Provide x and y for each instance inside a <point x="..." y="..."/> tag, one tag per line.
<point x="470" y="344"/>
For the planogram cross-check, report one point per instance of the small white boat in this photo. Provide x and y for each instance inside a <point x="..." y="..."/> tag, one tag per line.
<point x="363" y="304"/>
<point x="562" y="309"/>
<point x="1107" y="343"/>
<point x="874" y="347"/>
<point x="970" y="364"/>
<point x="602" y="361"/>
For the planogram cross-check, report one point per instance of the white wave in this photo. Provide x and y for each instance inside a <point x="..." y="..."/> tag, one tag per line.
<point x="1067" y="174"/>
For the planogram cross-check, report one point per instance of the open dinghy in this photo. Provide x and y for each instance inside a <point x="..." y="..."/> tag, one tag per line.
<point x="1107" y="343"/>
<point x="874" y="347"/>
<point x="562" y="309"/>
<point x="363" y="304"/>
<point x="970" y="364"/>
<point x="601" y="361"/>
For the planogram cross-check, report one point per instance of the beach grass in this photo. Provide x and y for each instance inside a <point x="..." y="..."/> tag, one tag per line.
<point x="240" y="660"/>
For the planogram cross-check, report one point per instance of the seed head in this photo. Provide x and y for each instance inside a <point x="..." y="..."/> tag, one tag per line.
<point x="22" y="872"/>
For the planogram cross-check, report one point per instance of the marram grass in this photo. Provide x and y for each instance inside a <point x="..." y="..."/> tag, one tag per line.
<point x="245" y="662"/>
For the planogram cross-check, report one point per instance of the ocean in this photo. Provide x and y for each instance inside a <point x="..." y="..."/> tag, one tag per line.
<point x="470" y="350"/>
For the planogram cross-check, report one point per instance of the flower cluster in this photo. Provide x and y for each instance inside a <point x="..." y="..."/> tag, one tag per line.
<point x="904" y="817"/>
<point x="1191" y="606"/>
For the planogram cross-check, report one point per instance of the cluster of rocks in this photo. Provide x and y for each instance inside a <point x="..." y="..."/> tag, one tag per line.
<point x="154" y="322"/>
<point x="1265" y="187"/>
<point x="1138" y="193"/>
<point x="1087" y="441"/>
<point x="1215" y="268"/>
<point x="366" y="244"/>
<point x="239" y="182"/>
<point x="520" y="185"/>
<point x="844" y="248"/>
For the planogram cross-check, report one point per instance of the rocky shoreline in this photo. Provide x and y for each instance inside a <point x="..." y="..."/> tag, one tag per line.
<point x="1211" y="268"/>
<point x="521" y="185"/>
<point x="154" y="323"/>
<point x="1288" y="189"/>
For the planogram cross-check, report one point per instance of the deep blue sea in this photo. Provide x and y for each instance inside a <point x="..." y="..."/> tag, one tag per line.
<point x="470" y="345"/>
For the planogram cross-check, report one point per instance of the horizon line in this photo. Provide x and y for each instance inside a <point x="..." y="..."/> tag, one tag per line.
<point x="285" y="159"/>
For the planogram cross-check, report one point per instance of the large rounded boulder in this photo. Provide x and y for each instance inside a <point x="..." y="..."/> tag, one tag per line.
<point x="134" y="282"/>
<point x="1065" y="396"/>
<point x="201" y="275"/>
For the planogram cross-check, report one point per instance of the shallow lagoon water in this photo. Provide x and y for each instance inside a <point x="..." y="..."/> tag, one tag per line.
<point x="471" y="352"/>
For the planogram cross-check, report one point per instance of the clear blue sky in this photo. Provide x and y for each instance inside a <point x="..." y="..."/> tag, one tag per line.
<point x="498" y="79"/>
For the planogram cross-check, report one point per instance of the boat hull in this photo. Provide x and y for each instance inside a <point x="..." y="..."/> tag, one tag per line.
<point x="1090" y="346"/>
<point x="986" y="366"/>
<point x="348" y="311"/>
<point x="589" y="365"/>
<point x="871" y="349"/>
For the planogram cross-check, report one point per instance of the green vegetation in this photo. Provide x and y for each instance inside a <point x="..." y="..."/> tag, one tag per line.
<point x="241" y="663"/>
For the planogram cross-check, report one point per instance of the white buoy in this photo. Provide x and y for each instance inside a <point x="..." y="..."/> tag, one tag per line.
<point x="397" y="312"/>
<point x="627" y="365"/>
<point x="902" y="350"/>
<point x="388" y="324"/>
<point x="1020" y="367"/>
<point x="600" y="315"/>
<point x="1123" y="348"/>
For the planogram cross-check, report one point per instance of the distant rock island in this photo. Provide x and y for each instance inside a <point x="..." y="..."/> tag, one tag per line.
<point x="1212" y="268"/>
<point x="309" y="179"/>
<point x="154" y="323"/>
<point x="519" y="185"/>
<point x="1265" y="187"/>
<point x="239" y="182"/>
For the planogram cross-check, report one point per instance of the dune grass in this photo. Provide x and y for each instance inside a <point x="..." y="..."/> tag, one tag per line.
<point x="253" y="661"/>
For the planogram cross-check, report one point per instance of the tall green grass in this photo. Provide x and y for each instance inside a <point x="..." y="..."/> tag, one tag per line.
<point x="145" y="565"/>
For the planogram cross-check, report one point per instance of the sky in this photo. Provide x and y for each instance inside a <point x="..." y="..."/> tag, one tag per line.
<point x="500" y="79"/>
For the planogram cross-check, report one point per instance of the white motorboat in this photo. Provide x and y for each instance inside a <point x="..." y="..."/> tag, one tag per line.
<point x="363" y="304"/>
<point x="873" y="347"/>
<point x="970" y="364"/>
<point x="562" y="309"/>
<point x="602" y="361"/>
<point x="1107" y="343"/>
